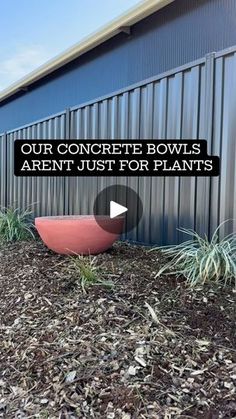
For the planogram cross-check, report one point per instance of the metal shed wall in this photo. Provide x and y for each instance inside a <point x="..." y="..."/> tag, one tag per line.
<point x="195" y="101"/>
<point x="179" y="33"/>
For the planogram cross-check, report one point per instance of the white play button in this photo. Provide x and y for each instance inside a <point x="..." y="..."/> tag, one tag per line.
<point x="116" y="209"/>
<point x="117" y="202"/>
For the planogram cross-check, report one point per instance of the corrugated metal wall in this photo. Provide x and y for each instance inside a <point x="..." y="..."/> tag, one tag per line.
<point x="165" y="108"/>
<point x="46" y="194"/>
<point x="181" y="32"/>
<point x="195" y="101"/>
<point x="3" y="166"/>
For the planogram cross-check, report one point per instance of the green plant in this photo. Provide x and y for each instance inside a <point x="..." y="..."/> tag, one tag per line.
<point x="201" y="260"/>
<point x="15" y="224"/>
<point x="87" y="271"/>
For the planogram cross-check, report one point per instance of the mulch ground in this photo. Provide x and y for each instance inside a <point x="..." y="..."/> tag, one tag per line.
<point x="148" y="348"/>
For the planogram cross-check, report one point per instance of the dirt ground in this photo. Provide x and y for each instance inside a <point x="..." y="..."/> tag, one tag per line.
<point x="148" y="348"/>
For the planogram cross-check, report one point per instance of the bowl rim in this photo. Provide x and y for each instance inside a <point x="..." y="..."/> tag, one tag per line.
<point x="78" y="218"/>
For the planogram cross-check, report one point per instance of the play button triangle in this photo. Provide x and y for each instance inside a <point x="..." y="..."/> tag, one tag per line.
<point x="116" y="209"/>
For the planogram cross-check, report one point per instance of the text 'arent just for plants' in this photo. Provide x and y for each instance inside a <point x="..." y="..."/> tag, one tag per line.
<point x="114" y="158"/>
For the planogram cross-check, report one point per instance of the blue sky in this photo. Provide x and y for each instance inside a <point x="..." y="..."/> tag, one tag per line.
<point x="32" y="32"/>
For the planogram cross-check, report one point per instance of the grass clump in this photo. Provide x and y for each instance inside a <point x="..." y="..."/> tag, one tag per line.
<point x="87" y="272"/>
<point x="15" y="224"/>
<point x="201" y="260"/>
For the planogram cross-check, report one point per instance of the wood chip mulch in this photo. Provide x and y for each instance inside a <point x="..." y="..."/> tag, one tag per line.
<point x="148" y="348"/>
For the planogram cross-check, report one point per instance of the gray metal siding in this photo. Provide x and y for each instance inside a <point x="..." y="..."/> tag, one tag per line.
<point x="226" y="74"/>
<point x="45" y="195"/>
<point x="195" y="101"/>
<point x="179" y="33"/>
<point x="3" y="168"/>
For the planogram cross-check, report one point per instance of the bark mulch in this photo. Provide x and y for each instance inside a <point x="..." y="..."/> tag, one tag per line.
<point x="148" y="348"/>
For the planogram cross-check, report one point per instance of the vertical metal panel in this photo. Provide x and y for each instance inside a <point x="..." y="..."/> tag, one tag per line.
<point x="189" y="129"/>
<point x="44" y="194"/>
<point x="202" y="191"/>
<point x="217" y="142"/>
<point x="197" y="101"/>
<point x="131" y="130"/>
<point x="208" y="133"/>
<point x="145" y="184"/>
<point x="157" y="216"/>
<point x="3" y="169"/>
<point x="173" y="130"/>
<point x="228" y="147"/>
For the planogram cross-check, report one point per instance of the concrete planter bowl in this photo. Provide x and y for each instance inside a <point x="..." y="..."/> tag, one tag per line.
<point x="80" y="234"/>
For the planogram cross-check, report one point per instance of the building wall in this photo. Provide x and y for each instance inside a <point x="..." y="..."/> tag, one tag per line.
<point x="197" y="101"/>
<point x="181" y="32"/>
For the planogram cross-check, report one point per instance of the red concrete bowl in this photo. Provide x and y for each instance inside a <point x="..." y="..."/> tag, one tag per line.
<point x="79" y="234"/>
